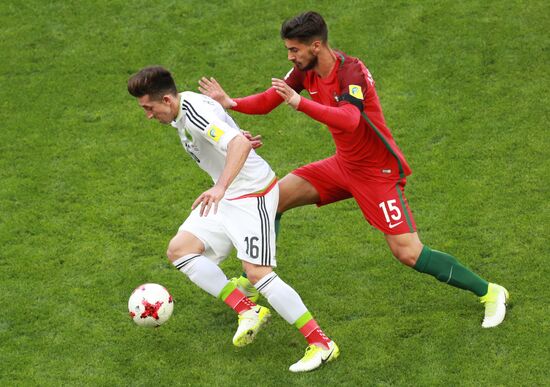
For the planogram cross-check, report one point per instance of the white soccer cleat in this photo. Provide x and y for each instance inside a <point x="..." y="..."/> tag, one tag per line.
<point x="495" y="305"/>
<point x="315" y="357"/>
<point x="250" y="322"/>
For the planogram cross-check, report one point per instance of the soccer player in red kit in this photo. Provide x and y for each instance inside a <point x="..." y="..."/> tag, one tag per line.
<point x="368" y="164"/>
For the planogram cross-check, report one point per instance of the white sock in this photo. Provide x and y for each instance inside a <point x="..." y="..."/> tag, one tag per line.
<point x="202" y="272"/>
<point x="282" y="297"/>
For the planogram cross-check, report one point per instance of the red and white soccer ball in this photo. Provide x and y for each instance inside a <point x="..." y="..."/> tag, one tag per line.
<point x="150" y="305"/>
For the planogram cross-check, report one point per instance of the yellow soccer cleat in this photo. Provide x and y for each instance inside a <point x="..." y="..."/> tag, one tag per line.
<point x="315" y="357"/>
<point x="495" y="305"/>
<point x="250" y="322"/>
<point x="245" y="286"/>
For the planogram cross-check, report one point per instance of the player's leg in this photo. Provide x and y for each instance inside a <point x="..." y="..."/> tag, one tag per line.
<point x="322" y="182"/>
<point x="196" y="251"/>
<point x="385" y="206"/>
<point x="186" y="252"/>
<point x="289" y="305"/>
<point x="408" y="249"/>
<point x="294" y="191"/>
<point x="253" y="234"/>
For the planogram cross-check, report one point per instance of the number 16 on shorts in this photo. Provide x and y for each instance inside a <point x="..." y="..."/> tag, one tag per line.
<point x="252" y="248"/>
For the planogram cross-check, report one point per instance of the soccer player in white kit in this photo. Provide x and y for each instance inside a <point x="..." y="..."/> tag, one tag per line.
<point x="238" y="211"/>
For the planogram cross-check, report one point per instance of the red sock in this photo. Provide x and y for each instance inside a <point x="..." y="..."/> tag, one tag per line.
<point x="238" y="301"/>
<point x="314" y="334"/>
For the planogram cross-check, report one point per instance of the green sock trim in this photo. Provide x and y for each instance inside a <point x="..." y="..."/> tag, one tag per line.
<point x="448" y="269"/>
<point x="227" y="290"/>
<point x="303" y="320"/>
<point x="278" y="222"/>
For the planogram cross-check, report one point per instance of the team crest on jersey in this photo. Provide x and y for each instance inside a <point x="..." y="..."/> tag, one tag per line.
<point x="215" y="133"/>
<point x="355" y="91"/>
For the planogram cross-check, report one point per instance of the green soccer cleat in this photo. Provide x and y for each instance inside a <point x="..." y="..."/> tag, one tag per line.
<point x="495" y="305"/>
<point x="315" y="357"/>
<point x="245" y="286"/>
<point x="250" y="322"/>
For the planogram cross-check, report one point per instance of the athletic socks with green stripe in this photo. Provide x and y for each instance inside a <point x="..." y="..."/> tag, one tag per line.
<point x="288" y="303"/>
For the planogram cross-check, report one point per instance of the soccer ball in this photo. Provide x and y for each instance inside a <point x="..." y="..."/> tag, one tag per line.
<point x="150" y="305"/>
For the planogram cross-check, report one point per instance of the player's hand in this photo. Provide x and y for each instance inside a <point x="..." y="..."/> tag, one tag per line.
<point x="286" y="92"/>
<point x="212" y="88"/>
<point x="255" y="141"/>
<point x="208" y="199"/>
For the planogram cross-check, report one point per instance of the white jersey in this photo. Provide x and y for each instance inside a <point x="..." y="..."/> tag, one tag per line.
<point x="205" y="130"/>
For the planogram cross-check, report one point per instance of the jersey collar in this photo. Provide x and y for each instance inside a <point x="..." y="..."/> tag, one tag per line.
<point x="180" y="113"/>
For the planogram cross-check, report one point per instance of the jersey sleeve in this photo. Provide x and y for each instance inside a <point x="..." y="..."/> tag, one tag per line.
<point x="344" y="117"/>
<point x="263" y="103"/>
<point x="202" y="115"/>
<point x="354" y="80"/>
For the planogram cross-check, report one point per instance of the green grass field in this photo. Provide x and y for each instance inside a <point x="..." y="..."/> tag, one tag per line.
<point x="91" y="193"/>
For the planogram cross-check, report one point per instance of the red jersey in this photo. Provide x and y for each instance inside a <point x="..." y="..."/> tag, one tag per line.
<point x="346" y="101"/>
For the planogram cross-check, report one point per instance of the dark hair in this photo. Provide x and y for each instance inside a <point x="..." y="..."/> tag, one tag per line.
<point x="155" y="81"/>
<point x="305" y="27"/>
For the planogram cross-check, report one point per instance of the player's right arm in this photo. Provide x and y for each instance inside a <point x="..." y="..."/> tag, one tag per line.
<point x="213" y="89"/>
<point x="345" y="117"/>
<point x="261" y="103"/>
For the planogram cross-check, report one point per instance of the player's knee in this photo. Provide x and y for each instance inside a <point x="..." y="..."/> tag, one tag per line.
<point x="171" y="253"/>
<point x="175" y="250"/>
<point x="406" y="256"/>
<point x="255" y="273"/>
<point x="182" y="244"/>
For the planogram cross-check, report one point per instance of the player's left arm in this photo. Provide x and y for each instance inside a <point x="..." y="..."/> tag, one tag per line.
<point x="238" y="150"/>
<point x="344" y="117"/>
<point x="226" y="139"/>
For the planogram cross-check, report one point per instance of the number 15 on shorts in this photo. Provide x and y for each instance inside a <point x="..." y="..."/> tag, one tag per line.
<point x="391" y="213"/>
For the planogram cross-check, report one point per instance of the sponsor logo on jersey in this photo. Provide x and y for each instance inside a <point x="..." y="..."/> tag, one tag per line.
<point x="355" y="91"/>
<point x="215" y="133"/>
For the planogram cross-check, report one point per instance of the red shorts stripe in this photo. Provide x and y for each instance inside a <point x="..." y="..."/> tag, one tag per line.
<point x="260" y="193"/>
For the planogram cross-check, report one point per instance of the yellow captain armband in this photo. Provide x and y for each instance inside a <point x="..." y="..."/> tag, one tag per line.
<point x="355" y="91"/>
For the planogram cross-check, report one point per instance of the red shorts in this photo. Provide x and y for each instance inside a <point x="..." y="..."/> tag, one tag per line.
<point x="381" y="197"/>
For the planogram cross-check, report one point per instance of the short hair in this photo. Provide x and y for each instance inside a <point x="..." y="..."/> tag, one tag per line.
<point x="305" y="27"/>
<point x="155" y="81"/>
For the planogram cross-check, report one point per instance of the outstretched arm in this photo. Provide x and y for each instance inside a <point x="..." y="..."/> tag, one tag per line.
<point x="213" y="89"/>
<point x="261" y="103"/>
<point x="345" y="117"/>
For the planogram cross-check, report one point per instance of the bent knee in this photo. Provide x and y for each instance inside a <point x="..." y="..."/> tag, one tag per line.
<point x="406" y="256"/>
<point x="173" y="252"/>
<point x="182" y="245"/>
<point x="255" y="273"/>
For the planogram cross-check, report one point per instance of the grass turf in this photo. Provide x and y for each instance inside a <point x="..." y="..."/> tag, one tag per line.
<point x="90" y="193"/>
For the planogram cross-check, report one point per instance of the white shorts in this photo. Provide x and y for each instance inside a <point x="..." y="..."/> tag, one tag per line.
<point x="247" y="224"/>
